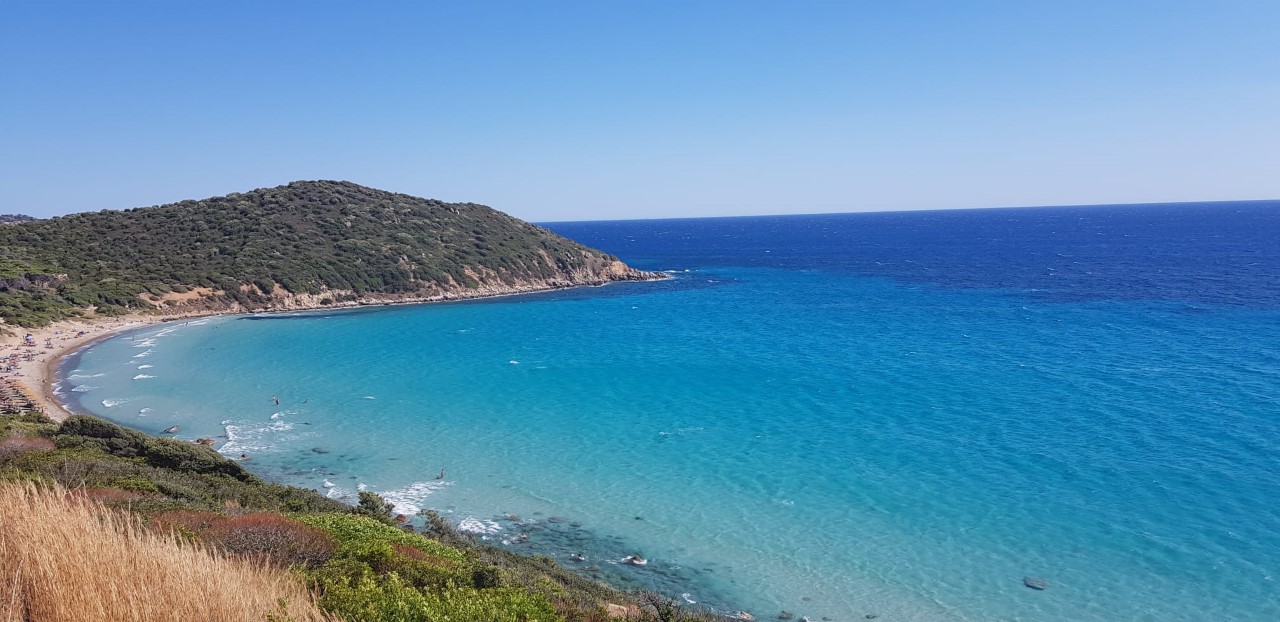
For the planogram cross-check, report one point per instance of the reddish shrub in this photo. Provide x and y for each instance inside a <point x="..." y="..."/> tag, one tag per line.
<point x="278" y="539"/>
<point x="18" y="445"/>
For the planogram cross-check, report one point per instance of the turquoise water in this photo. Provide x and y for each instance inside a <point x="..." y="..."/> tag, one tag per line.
<point x="781" y="427"/>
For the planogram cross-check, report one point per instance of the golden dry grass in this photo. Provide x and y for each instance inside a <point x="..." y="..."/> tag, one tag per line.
<point x="65" y="558"/>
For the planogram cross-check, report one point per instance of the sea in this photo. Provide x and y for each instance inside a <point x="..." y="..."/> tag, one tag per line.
<point x="892" y="416"/>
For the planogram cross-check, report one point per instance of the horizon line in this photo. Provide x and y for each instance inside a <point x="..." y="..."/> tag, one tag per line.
<point x="925" y="209"/>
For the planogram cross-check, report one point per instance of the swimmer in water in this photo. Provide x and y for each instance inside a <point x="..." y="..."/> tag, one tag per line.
<point x="276" y="400"/>
<point x="441" y="475"/>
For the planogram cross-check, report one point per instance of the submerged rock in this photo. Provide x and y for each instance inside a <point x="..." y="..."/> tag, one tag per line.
<point x="786" y="615"/>
<point x="207" y="442"/>
<point x="1035" y="583"/>
<point x="173" y="429"/>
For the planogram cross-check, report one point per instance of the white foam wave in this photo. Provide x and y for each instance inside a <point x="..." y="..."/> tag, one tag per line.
<point x="329" y="484"/>
<point x="145" y="366"/>
<point x="472" y="524"/>
<point x="370" y="397"/>
<point x="82" y="388"/>
<point x="143" y="354"/>
<point x="144" y="343"/>
<point x="144" y="411"/>
<point x="249" y="437"/>
<point x="197" y="322"/>
<point x="142" y="377"/>
<point x="111" y="403"/>
<point x="97" y="375"/>
<point x="409" y="500"/>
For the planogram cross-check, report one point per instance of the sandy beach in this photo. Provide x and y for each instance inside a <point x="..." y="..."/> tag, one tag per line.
<point x="35" y="359"/>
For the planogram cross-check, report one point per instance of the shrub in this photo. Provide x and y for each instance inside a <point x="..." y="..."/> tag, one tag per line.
<point x="17" y="445"/>
<point x="277" y="539"/>
<point x="374" y="506"/>
<point x="351" y="528"/>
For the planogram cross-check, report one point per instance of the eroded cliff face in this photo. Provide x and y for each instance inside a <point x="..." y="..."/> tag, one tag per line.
<point x="597" y="270"/>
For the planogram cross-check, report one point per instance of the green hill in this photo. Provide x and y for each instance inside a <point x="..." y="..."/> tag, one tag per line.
<point x="302" y="245"/>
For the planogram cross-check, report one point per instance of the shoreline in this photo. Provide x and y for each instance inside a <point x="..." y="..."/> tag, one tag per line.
<point x="70" y="337"/>
<point x="50" y="345"/>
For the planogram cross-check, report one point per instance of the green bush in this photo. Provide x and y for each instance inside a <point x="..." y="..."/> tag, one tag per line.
<point x="391" y="599"/>
<point x="354" y="529"/>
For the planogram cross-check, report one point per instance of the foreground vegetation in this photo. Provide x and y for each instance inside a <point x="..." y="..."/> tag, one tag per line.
<point x="333" y="241"/>
<point x="62" y="559"/>
<point x="104" y="523"/>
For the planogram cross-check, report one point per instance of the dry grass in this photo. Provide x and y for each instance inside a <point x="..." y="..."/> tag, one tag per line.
<point x="65" y="558"/>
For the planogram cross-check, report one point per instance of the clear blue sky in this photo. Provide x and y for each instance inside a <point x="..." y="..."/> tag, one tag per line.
<point x="591" y="110"/>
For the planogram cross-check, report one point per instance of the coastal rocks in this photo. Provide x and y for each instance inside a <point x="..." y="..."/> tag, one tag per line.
<point x="635" y="560"/>
<point x="742" y="615"/>
<point x="207" y="442"/>
<point x="173" y="429"/>
<point x="319" y="450"/>
<point x="786" y="615"/>
<point x="1035" y="583"/>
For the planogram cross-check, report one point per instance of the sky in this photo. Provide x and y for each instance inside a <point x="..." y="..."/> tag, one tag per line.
<point x="644" y="109"/>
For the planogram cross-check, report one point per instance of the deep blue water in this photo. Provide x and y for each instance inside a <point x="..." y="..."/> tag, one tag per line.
<point x="900" y="414"/>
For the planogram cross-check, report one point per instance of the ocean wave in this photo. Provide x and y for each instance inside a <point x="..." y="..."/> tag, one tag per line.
<point x="82" y="388"/>
<point x="472" y="524"/>
<point x="112" y="403"/>
<point x="409" y="500"/>
<point x="144" y="343"/>
<point x="145" y="366"/>
<point x="97" y="375"/>
<point x="142" y="377"/>
<point x="143" y="354"/>
<point x="255" y="437"/>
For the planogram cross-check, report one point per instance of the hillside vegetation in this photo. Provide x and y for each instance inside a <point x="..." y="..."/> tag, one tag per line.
<point x="63" y="559"/>
<point x="105" y="523"/>
<point x="10" y="219"/>
<point x="305" y="244"/>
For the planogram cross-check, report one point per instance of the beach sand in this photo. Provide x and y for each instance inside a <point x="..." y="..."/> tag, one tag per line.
<point x="49" y="344"/>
